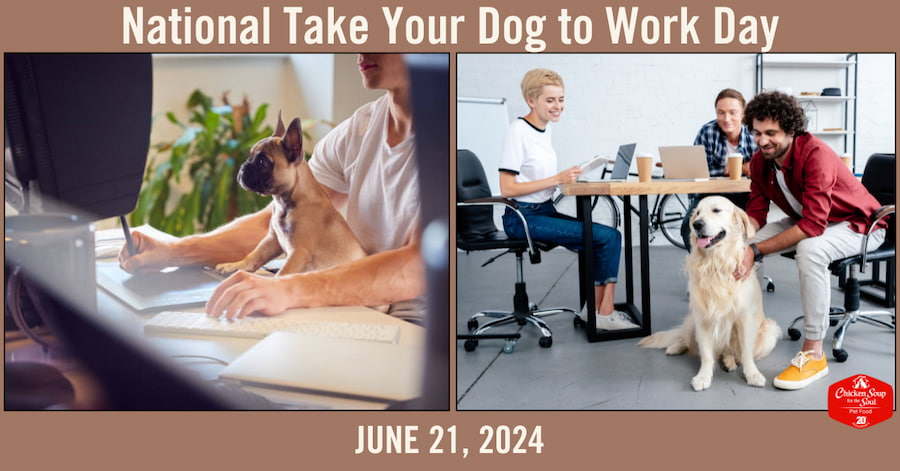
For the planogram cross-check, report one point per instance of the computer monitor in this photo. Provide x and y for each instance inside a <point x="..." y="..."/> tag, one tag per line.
<point x="77" y="130"/>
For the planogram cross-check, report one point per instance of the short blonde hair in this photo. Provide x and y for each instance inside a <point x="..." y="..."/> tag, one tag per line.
<point x="534" y="80"/>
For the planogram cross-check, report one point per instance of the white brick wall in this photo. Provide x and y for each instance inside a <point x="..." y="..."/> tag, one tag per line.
<point x="877" y="105"/>
<point x="656" y="99"/>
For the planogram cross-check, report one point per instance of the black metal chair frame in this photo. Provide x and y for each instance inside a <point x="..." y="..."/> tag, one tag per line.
<point x="850" y="313"/>
<point x="523" y="311"/>
<point x="847" y="269"/>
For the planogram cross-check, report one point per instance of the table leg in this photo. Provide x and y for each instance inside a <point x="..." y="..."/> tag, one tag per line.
<point x="586" y="264"/>
<point x="629" y="255"/>
<point x="645" y="264"/>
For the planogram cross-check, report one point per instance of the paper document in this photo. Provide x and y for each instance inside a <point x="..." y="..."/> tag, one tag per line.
<point x="594" y="164"/>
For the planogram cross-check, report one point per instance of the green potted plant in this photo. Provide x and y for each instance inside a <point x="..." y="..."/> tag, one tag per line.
<point x="214" y="143"/>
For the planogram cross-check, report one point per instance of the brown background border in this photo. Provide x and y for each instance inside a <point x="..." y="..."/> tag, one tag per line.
<point x="143" y="440"/>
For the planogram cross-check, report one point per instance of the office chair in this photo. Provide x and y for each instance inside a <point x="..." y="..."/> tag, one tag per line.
<point x="476" y="231"/>
<point x="879" y="178"/>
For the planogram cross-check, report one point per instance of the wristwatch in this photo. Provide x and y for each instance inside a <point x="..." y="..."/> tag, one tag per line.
<point x="757" y="255"/>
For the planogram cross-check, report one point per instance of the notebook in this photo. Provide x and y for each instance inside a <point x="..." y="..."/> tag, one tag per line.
<point x="687" y="163"/>
<point x="620" y="168"/>
<point x="309" y="363"/>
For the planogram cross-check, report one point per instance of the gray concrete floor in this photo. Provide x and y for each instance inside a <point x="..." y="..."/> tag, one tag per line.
<point x="574" y="374"/>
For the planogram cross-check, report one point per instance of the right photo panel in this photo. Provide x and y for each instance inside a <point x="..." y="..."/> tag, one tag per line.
<point x="673" y="231"/>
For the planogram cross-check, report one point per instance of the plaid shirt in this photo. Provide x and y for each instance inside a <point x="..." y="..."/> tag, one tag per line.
<point x="715" y="142"/>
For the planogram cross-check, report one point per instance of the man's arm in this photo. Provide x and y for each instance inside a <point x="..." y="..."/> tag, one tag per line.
<point x="787" y="238"/>
<point x="382" y="278"/>
<point x="228" y="243"/>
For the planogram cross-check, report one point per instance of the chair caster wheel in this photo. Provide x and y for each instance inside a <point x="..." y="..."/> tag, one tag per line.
<point x="833" y="322"/>
<point x="770" y="287"/>
<point x="794" y="334"/>
<point x="578" y="322"/>
<point x="840" y="355"/>
<point x="472" y="324"/>
<point x="470" y="345"/>
<point x="545" y="342"/>
<point x="509" y="346"/>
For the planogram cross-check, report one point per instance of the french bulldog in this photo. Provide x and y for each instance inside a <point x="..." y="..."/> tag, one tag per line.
<point x="305" y="225"/>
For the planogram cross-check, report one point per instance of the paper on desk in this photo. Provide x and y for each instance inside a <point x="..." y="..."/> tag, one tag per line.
<point x="597" y="162"/>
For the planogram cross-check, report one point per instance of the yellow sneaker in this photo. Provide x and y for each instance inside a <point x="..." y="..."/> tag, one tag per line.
<point x="803" y="371"/>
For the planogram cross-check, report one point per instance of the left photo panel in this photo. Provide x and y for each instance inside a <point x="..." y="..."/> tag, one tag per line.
<point x="226" y="231"/>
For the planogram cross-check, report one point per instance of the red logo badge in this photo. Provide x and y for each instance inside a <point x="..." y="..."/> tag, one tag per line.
<point x="860" y="401"/>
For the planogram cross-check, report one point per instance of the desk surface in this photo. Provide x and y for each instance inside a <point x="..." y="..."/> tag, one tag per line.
<point x="206" y="355"/>
<point x="656" y="187"/>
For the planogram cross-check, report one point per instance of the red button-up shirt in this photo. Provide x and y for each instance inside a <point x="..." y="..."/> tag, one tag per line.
<point x="819" y="180"/>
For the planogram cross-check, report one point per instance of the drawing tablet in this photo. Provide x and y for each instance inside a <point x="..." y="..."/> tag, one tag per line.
<point x="180" y="287"/>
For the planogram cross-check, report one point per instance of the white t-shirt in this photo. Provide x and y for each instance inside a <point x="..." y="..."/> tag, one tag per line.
<point x="528" y="154"/>
<point x="383" y="206"/>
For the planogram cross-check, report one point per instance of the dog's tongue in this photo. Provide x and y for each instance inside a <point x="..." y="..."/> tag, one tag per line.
<point x="703" y="242"/>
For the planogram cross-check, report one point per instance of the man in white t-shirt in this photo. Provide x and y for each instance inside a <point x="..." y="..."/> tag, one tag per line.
<point x="367" y="167"/>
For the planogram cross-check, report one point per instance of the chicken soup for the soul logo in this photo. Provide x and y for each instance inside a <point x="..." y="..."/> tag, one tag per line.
<point x="860" y="401"/>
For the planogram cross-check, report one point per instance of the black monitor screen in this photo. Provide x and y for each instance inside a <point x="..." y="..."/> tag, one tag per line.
<point x="77" y="130"/>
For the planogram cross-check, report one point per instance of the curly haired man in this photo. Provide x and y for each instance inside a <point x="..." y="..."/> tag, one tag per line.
<point x="827" y="211"/>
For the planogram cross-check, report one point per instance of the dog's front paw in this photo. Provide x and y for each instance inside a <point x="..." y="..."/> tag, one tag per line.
<point x="229" y="268"/>
<point x="755" y="378"/>
<point x="701" y="382"/>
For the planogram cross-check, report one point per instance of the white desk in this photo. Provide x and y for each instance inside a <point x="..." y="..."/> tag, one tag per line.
<point x="207" y="355"/>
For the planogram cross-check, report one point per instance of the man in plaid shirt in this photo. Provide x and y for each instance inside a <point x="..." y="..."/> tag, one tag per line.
<point x="720" y="137"/>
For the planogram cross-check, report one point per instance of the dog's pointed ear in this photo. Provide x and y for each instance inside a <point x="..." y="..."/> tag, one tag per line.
<point x="279" y="128"/>
<point x="744" y="221"/>
<point x="292" y="142"/>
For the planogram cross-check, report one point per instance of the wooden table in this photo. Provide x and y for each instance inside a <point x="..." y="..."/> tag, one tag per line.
<point x="583" y="192"/>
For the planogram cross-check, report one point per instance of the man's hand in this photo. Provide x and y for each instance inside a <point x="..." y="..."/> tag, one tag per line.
<point x="745" y="268"/>
<point x="150" y="254"/>
<point x="243" y="293"/>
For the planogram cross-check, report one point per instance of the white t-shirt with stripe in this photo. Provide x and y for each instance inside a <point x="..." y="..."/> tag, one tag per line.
<point x="528" y="153"/>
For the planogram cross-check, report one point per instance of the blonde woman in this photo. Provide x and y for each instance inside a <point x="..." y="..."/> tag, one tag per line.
<point x="529" y="175"/>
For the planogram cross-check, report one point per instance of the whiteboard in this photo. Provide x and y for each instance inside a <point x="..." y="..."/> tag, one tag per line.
<point x="480" y="127"/>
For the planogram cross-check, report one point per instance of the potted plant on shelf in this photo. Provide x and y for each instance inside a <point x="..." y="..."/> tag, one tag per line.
<point x="214" y="143"/>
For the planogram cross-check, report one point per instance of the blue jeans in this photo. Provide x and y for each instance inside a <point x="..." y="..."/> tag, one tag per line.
<point x="546" y="224"/>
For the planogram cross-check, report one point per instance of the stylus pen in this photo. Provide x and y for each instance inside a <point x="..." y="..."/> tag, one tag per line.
<point x="128" y="241"/>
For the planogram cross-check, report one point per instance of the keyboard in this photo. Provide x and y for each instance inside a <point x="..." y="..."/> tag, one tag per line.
<point x="194" y="323"/>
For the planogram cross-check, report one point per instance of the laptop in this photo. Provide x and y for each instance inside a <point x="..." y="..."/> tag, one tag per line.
<point x="306" y="363"/>
<point x="620" y="168"/>
<point x="684" y="163"/>
<point x="623" y="161"/>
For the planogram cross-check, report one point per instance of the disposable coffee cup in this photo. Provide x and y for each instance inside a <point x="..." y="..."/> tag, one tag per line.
<point x="848" y="160"/>
<point x="645" y="167"/>
<point x="735" y="166"/>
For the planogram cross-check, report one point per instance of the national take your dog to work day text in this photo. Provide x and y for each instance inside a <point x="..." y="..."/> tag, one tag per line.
<point x="622" y="25"/>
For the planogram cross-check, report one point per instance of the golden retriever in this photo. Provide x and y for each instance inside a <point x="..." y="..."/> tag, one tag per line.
<point x="726" y="319"/>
